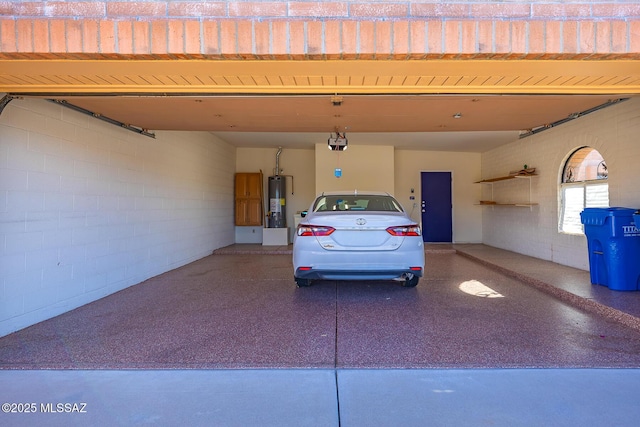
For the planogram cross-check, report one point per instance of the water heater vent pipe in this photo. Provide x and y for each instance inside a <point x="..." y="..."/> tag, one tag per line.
<point x="278" y="161"/>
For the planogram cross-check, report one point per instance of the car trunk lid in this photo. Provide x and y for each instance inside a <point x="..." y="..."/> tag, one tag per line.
<point x="360" y="231"/>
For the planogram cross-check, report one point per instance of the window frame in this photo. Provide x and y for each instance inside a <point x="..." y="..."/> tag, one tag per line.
<point x="584" y="185"/>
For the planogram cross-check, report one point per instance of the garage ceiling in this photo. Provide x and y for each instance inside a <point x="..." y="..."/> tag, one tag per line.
<point x="435" y="122"/>
<point x="436" y="105"/>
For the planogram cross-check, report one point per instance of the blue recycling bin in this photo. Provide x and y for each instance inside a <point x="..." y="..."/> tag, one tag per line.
<point x="614" y="247"/>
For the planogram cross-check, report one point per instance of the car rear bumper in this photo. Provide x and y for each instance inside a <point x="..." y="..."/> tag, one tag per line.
<point x="328" y="274"/>
<point x="310" y="261"/>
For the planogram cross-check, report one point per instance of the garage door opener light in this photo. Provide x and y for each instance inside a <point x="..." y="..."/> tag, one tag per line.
<point x="337" y="143"/>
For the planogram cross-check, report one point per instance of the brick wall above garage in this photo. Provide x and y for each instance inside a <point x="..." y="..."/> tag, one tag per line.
<point x="319" y="30"/>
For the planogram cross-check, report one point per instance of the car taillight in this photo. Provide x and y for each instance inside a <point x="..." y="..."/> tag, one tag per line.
<point x="405" y="230"/>
<point x="314" y="230"/>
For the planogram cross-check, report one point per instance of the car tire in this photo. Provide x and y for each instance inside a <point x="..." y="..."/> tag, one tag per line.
<point x="302" y="283"/>
<point x="411" y="282"/>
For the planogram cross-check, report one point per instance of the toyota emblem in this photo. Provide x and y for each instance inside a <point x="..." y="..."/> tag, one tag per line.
<point x="361" y="221"/>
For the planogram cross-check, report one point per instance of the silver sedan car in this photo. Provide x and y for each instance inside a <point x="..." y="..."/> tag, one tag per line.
<point x="357" y="236"/>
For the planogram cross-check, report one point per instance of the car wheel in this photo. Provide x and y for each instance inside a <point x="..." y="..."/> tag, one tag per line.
<point x="302" y="283"/>
<point x="411" y="281"/>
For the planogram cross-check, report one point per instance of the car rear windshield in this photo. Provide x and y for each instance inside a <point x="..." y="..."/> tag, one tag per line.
<point x="356" y="203"/>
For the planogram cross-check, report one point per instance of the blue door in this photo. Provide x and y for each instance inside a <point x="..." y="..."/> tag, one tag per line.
<point x="436" y="207"/>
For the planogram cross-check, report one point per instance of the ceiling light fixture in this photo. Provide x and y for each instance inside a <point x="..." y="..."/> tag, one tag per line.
<point x="457" y="116"/>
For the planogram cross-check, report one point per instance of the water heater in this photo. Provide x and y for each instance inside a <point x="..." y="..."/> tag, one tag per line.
<point x="277" y="217"/>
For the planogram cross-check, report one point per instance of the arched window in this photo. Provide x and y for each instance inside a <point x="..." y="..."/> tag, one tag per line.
<point x="584" y="185"/>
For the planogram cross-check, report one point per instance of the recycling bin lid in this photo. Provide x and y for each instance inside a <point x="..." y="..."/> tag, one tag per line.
<point x="598" y="216"/>
<point x="612" y="211"/>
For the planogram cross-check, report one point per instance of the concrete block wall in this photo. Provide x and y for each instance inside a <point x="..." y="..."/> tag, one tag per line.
<point x="612" y="131"/>
<point x="88" y="208"/>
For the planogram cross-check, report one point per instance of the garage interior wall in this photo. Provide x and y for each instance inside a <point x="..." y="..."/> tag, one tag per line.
<point x="88" y="208"/>
<point x="464" y="168"/>
<point x="364" y="167"/>
<point x="313" y="172"/>
<point x="612" y="131"/>
<point x="298" y="163"/>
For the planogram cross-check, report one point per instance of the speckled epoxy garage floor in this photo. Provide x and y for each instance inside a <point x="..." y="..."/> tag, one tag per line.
<point x="492" y="338"/>
<point x="242" y="310"/>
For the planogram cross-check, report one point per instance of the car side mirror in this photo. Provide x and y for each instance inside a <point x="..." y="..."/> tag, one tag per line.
<point x="303" y="214"/>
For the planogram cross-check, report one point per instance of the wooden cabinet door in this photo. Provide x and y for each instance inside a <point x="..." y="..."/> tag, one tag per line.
<point x="248" y="212"/>
<point x="254" y="186"/>
<point x="241" y="211"/>
<point x="249" y="185"/>
<point x="242" y="181"/>
<point x="254" y="211"/>
<point x="248" y="204"/>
